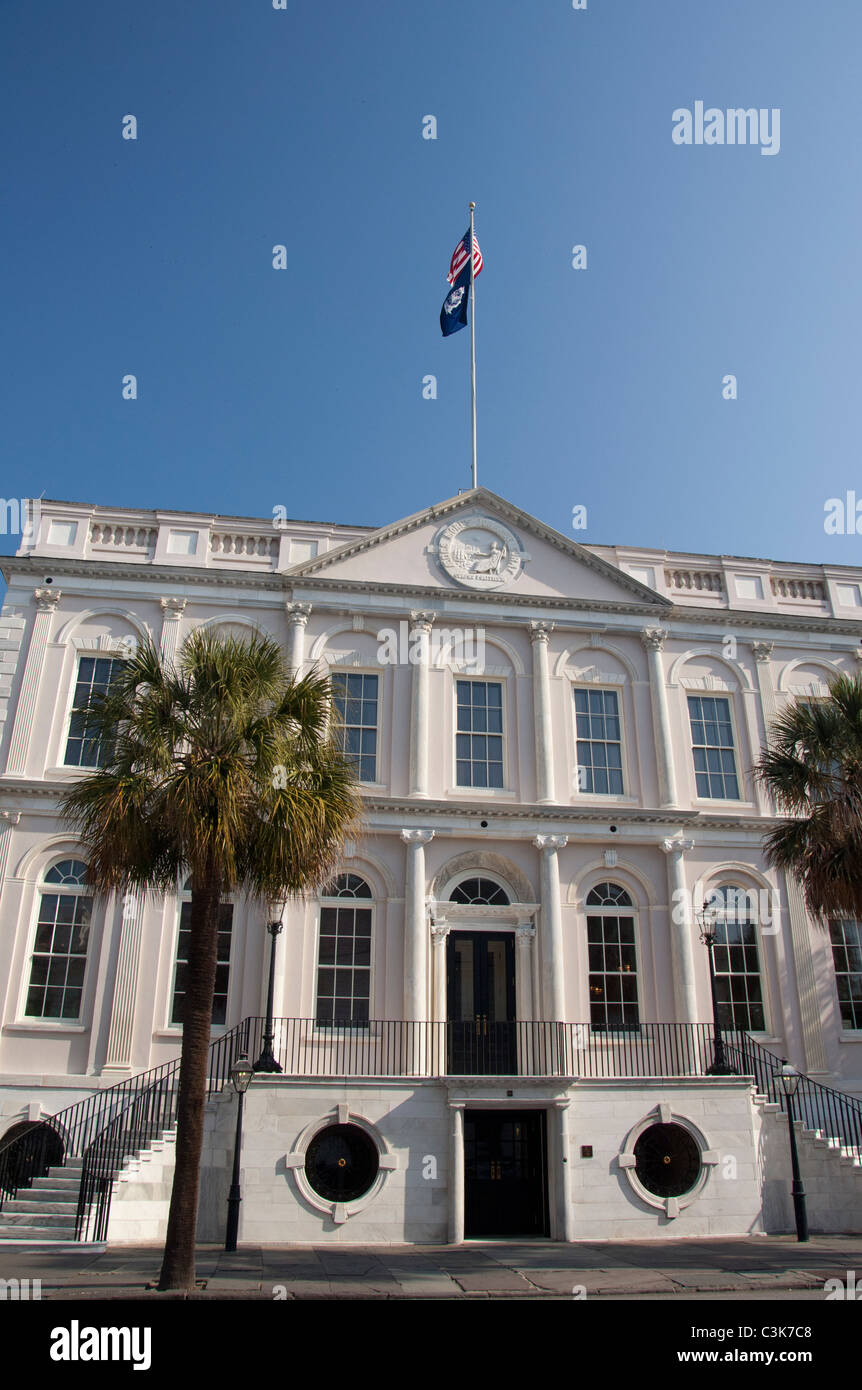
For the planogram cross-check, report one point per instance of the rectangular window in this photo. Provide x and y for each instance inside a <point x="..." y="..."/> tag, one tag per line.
<point x="479" y="737"/>
<point x="613" y="981"/>
<point x="847" y="957"/>
<point x="222" y="968"/>
<point x="344" y="965"/>
<point x="355" y="698"/>
<point x="737" y="976"/>
<point x="600" y="753"/>
<point x="59" y="956"/>
<point x="712" y="747"/>
<point x="95" y="674"/>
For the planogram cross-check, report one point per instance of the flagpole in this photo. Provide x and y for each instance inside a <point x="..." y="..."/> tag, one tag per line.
<point x="473" y="340"/>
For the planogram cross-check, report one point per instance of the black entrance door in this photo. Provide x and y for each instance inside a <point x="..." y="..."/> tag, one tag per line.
<point x="481" y="989"/>
<point x="505" y="1173"/>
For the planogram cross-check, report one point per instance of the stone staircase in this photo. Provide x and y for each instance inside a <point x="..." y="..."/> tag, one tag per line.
<point x="46" y="1211"/>
<point x="831" y="1173"/>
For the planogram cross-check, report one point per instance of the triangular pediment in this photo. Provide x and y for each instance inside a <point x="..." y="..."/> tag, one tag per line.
<point x="477" y="543"/>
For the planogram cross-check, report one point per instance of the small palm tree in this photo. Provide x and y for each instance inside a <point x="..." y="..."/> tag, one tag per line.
<point x="813" y="768"/>
<point x="221" y="768"/>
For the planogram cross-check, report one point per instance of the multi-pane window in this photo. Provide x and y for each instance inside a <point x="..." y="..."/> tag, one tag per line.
<point x="600" y="753"/>
<point x="738" y="989"/>
<point x="482" y="891"/>
<point x="712" y="746"/>
<point x="355" y="698"/>
<point x="847" y="956"/>
<point x="222" y="979"/>
<point x="344" y="953"/>
<point x="60" y="949"/>
<point x="613" y="980"/>
<point x="95" y="673"/>
<point x="479" y="737"/>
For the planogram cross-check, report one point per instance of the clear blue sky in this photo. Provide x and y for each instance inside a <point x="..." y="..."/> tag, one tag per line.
<point x="302" y="387"/>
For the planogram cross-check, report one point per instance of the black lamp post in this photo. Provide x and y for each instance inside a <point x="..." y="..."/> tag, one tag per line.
<point x="240" y="1074"/>
<point x="267" y="1059"/>
<point x="720" y="1065"/>
<point x="790" y="1080"/>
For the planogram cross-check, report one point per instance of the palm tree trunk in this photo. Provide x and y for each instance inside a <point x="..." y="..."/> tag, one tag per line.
<point x="178" y="1264"/>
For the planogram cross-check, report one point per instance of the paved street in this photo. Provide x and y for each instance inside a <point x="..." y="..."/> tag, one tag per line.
<point x="759" y="1267"/>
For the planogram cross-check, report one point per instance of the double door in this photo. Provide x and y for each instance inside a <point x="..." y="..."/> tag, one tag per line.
<point x="505" y="1173"/>
<point x="481" y="1029"/>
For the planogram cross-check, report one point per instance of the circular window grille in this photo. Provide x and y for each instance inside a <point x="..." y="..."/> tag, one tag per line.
<point x="341" y="1163"/>
<point x="667" y="1160"/>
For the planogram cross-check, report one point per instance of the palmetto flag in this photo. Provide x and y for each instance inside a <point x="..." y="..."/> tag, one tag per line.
<point x="453" y="315"/>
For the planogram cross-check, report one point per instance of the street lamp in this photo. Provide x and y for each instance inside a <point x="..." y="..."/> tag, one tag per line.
<point x="790" y="1080"/>
<point x="240" y="1074"/>
<point x="267" y="1059"/>
<point x="708" y="931"/>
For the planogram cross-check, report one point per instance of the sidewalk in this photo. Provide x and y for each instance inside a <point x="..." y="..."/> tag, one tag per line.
<point x="535" y="1270"/>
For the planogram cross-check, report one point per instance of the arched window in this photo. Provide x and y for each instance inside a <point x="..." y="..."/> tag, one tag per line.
<point x="737" y="965"/>
<point x="95" y="676"/>
<point x="60" y="949"/>
<point x="613" y="980"/>
<point x="482" y="892"/>
<point x="222" y="980"/>
<point x="344" y="954"/>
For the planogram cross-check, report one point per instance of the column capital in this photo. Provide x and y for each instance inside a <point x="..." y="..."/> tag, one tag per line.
<point x="525" y="934"/>
<point x="439" y="932"/>
<point x="420" y="621"/>
<point x="298" y="613"/>
<point x="417" y="837"/>
<point x="676" y="846"/>
<point x="12" y="817"/>
<point x="540" y="632"/>
<point x="858" y="653"/>
<point x="550" y="843"/>
<point x="653" y="638"/>
<point x="173" y="607"/>
<point x="47" y="599"/>
<point x="762" y="650"/>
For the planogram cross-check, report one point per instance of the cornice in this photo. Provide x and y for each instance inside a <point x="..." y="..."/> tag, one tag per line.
<point x="157" y="574"/>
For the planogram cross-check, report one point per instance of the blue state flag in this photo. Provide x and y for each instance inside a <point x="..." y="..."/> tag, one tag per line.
<point x="453" y="315"/>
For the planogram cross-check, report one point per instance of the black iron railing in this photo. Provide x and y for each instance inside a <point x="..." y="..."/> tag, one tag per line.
<point x="111" y="1126"/>
<point x="836" y="1114"/>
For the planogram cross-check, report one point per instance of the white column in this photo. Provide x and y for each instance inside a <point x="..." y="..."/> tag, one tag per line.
<point x="172" y="612"/>
<point x="46" y="605"/>
<point x="297" y="619"/>
<point x="415" y="930"/>
<point x="539" y="635"/>
<point x="120" y="1029"/>
<point x="566" y="1223"/>
<point x="800" y="932"/>
<point x="552" y="927"/>
<point x="681" y="930"/>
<point x="420" y="641"/>
<point x="456" y="1172"/>
<point x="439" y="939"/>
<point x="653" y="639"/>
<point x="8" y="821"/>
<point x="525" y="936"/>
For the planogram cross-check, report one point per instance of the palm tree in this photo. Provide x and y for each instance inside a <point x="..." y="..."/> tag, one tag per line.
<point x="813" y="768"/>
<point x="221" y="768"/>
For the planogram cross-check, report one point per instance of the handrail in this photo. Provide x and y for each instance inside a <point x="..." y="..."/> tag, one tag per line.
<point x="836" y="1113"/>
<point x="148" y="1112"/>
<point x="108" y="1127"/>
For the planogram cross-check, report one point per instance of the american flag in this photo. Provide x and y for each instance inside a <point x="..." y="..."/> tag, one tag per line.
<point x="459" y="259"/>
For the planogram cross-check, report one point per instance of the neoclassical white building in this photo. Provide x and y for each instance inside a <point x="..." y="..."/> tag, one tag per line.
<point x="497" y="1020"/>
